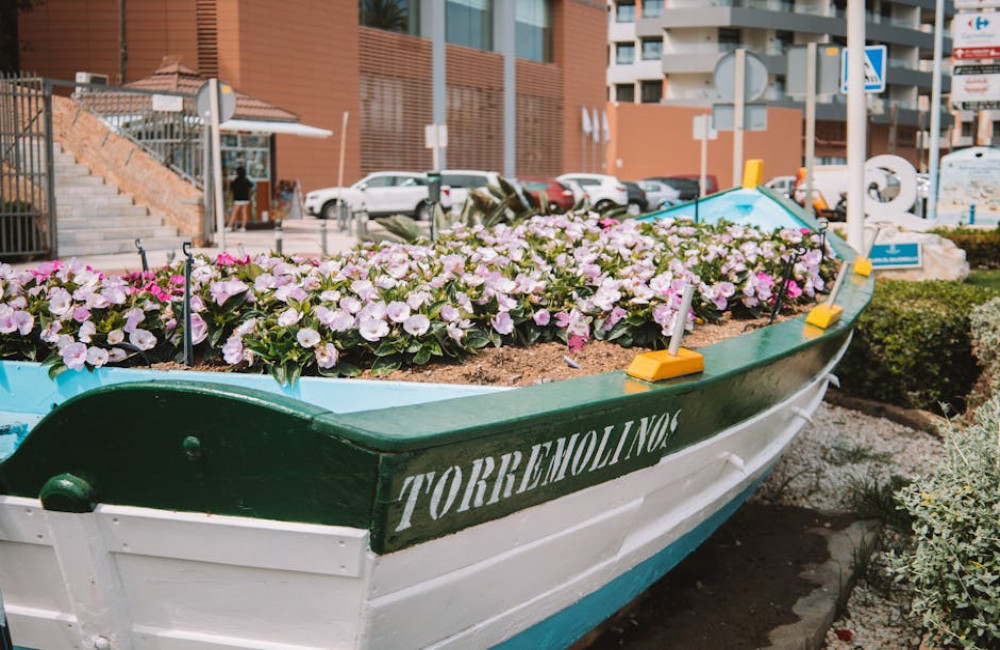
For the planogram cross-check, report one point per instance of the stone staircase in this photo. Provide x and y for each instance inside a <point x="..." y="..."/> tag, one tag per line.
<point x="95" y="218"/>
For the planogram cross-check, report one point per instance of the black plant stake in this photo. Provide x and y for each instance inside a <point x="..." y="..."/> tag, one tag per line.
<point x="142" y="254"/>
<point x="188" y="348"/>
<point x="786" y="280"/>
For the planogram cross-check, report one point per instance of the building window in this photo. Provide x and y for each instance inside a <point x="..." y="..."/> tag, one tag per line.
<point x="533" y="30"/>
<point x="785" y="40"/>
<point x="652" y="8"/>
<point x="470" y="23"/>
<point x="625" y="93"/>
<point x="729" y="39"/>
<point x="968" y="129"/>
<point x="392" y="15"/>
<point x="624" y="53"/>
<point x="652" y="91"/>
<point x="652" y="49"/>
<point x="625" y="11"/>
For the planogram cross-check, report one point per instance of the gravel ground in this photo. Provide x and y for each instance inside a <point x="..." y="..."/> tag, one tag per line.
<point x="841" y="451"/>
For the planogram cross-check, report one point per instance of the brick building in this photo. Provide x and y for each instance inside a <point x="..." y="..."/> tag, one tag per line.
<point x="322" y="58"/>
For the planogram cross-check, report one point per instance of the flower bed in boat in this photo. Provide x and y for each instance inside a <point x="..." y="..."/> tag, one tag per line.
<point x="569" y="279"/>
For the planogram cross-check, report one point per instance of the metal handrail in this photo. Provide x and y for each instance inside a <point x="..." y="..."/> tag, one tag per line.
<point x="171" y="134"/>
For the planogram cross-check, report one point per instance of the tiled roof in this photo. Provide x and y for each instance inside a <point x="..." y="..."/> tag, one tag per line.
<point x="176" y="77"/>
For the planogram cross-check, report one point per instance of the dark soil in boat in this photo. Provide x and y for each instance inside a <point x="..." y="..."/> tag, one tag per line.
<point x="732" y="591"/>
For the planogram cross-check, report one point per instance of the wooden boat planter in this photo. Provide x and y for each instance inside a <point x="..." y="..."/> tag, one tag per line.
<point x="219" y="510"/>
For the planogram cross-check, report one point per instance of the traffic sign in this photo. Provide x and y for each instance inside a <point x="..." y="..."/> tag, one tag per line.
<point x="827" y="70"/>
<point x="976" y="36"/>
<point x="876" y="57"/>
<point x="896" y="256"/>
<point x="227" y="101"/>
<point x="754" y="117"/>
<point x="755" y="83"/>
<point x="975" y="87"/>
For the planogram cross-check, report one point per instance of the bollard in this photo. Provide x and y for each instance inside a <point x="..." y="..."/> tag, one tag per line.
<point x="343" y="216"/>
<point x="188" y="347"/>
<point x="972" y="214"/>
<point x="279" y="235"/>
<point x="6" y="642"/>
<point x="322" y="241"/>
<point x="142" y="255"/>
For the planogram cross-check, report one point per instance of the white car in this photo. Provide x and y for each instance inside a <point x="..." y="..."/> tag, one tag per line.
<point x="602" y="190"/>
<point x="380" y="194"/>
<point x="460" y="181"/>
<point x="782" y="184"/>
<point x="659" y="195"/>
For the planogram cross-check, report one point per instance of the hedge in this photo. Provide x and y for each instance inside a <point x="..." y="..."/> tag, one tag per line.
<point x="912" y="346"/>
<point x="982" y="247"/>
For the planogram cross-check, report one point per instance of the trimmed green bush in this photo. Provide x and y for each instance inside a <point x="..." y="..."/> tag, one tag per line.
<point x="954" y="564"/>
<point x="912" y="346"/>
<point x="982" y="247"/>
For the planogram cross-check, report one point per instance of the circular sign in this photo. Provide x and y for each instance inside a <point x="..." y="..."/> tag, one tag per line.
<point x="227" y="101"/>
<point x="755" y="78"/>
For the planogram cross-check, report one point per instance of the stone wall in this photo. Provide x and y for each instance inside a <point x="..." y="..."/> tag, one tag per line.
<point x="169" y="197"/>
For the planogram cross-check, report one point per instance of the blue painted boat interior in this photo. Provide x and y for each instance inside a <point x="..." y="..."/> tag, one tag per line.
<point x="740" y="206"/>
<point x="27" y="393"/>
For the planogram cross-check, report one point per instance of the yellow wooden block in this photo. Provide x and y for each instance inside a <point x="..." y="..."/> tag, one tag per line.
<point x="753" y="173"/>
<point x="863" y="266"/>
<point x="824" y="315"/>
<point x="660" y="365"/>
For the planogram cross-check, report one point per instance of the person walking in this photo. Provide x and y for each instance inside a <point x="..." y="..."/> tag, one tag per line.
<point x="240" y="189"/>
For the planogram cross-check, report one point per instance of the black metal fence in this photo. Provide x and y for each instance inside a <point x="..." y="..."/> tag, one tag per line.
<point x="27" y="201"/>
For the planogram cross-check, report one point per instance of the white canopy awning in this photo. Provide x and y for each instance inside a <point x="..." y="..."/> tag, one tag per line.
<point x="264" y="126"/>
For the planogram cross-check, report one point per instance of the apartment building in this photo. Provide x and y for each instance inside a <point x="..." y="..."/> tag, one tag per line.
<point x="372" y="60"/>
<point x="664" y="52"/>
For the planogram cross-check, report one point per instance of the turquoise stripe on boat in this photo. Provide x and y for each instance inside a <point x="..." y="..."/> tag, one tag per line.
<point x="568" y="625"/>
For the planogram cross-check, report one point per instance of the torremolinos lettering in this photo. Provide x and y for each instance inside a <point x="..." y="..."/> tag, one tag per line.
<point x="489" y="480"/>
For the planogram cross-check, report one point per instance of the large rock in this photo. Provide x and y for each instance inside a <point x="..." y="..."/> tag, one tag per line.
<point x="942" y="259"/>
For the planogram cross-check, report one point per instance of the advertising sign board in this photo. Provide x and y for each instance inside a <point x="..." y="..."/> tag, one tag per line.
<point x="976" y="36"/>
<point x="975" y="87"/>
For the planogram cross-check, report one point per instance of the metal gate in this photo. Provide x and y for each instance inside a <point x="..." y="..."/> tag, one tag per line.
<point x="27" y="201"/>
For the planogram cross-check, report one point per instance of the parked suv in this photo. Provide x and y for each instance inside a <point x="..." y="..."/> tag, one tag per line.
<point x="601" y="190"/>
<point x="380" y="193"/>
<point x="460" y="181"/>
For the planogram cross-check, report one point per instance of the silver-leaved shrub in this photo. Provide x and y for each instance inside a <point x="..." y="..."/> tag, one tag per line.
<point x="954" y="563"/>
<point x="985" y="320"/>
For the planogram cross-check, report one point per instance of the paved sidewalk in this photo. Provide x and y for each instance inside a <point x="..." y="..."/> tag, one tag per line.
<point x="299" y="236"/>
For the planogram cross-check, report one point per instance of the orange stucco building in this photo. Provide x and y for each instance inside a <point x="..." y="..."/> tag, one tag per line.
<point x="315" y="59"/>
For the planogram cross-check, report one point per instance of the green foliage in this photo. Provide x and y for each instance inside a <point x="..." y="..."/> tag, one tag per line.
<point x="984" y="278"/>
<point x="985" y="320"/>
<point x="982" y="247"/>
<point x="913" y="345"/>
<point x="954" y="564"/>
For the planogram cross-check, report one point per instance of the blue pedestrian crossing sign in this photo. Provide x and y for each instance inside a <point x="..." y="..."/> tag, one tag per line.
<point x="875" y="64"/>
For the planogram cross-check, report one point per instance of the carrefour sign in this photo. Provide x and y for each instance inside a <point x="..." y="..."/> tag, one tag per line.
<point x="976" y="36"/>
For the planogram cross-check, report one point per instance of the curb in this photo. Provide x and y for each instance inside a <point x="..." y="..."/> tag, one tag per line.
<point x="834" y="578"/>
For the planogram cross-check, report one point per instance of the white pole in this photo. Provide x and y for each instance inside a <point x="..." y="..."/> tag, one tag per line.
<point x="739" y="90"/>
<point x="935" y="136"/>
<point x="810" y="124"/>
<point x="680" y="321"/>
<point x="706" y="120"/>
<point x="343" y="150"/>
<point x="857" y="115"/>
<point x="220" y="205"/>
